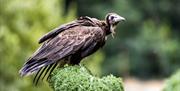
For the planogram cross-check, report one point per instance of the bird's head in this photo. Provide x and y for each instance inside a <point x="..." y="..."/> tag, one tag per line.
<point x="112" y="20"/>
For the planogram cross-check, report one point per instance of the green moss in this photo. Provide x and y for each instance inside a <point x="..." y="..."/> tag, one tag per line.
<point x="78" y="78"/>
<point x="173" y="83"/>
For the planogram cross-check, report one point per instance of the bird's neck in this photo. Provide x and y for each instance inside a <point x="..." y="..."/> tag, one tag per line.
<point x="108" y="29"/>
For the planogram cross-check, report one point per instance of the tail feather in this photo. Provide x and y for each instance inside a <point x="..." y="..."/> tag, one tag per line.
<point x="32" y="62"/>
<point x="33" y="65"/>
<point x="44" y="72"/>
<point x="38" y="75"/>
<point x="38" y="72"/>
<point x="28" y="68"/>
<point x="42" y="68"/>
<point x="49" y="67"/>
<point x="54" y="66"/>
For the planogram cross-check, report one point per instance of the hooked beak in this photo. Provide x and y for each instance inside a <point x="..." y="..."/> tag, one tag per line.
<point x="120" y="18"/>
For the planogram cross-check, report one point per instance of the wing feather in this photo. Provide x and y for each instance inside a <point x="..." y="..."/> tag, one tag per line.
<point x="57" y="30"/>
<point x="82" y="21"/>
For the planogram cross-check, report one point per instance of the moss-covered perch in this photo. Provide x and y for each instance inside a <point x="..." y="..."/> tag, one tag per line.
<point x="78" y="78"/>
<point x="173" y="83"/>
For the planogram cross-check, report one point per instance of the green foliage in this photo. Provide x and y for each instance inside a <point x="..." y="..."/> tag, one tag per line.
<point x="153" y="51"/>
<point x="173" y="83"/>
<point x="78" y="78"/>
<point x="22" y="22"/>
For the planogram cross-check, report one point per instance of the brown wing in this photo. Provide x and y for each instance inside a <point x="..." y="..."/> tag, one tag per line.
<point x="64" y="44"/>
<point x="58" y="30"/>
<point x="82" y="21"/>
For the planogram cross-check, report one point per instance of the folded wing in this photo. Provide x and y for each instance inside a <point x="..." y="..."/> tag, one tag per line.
<point x="63" y="45"/>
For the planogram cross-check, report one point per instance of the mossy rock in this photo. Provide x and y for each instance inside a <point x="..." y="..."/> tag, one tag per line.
<point x="78" y="78"/>
<point x="173" y="83"/>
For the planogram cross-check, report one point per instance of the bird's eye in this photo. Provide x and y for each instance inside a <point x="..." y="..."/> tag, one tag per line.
<point x="112" y="17"/>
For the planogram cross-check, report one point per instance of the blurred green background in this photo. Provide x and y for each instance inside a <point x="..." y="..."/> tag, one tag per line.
<point x="146" y="46"/>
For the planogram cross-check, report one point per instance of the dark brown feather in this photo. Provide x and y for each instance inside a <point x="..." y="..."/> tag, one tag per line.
<point x="82" y="21"/>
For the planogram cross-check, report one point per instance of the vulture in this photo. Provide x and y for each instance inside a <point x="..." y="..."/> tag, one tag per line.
<point x="69" y="44"/>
